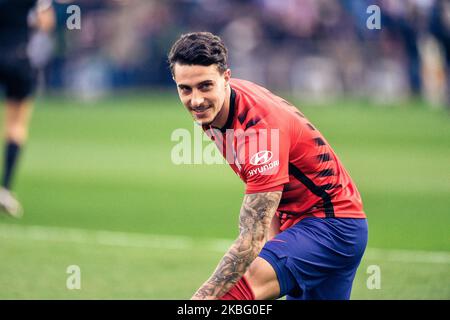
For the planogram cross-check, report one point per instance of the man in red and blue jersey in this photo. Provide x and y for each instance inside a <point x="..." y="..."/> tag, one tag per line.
<point x="302" y="228"/>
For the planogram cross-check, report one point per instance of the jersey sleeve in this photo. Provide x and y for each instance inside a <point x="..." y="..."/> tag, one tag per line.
<point x="263" y="154"/>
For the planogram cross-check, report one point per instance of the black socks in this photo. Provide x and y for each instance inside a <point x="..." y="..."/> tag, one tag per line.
<point x="12" y="151"/>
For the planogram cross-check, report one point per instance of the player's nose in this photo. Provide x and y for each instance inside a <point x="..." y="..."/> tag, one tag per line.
<point x="196" y="99"/>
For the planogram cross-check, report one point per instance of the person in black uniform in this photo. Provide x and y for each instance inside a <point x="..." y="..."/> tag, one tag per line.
<point x="18" y="77"/>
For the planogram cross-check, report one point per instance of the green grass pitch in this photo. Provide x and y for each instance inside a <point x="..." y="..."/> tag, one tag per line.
<point x="107" y="166"/>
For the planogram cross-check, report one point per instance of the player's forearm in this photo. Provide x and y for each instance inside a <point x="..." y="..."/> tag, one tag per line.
<point x="230" y="269"/>
<point x="256" y="214"/>
<point x="46" y="20"/>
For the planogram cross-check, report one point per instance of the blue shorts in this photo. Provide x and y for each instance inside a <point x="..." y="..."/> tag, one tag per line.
<point x="317" y="258"/>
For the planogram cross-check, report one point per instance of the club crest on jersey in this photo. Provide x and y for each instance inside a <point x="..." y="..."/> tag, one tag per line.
<point x="261" y="157"/>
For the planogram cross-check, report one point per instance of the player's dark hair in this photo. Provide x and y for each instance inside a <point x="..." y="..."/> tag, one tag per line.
<point x="199" y="48"/>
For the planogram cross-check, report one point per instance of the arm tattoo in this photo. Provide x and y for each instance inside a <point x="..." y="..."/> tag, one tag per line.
<point x="254" y="221"/>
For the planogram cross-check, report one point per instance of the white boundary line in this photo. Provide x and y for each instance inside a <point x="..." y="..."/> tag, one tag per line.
<point x="169" y="242"/>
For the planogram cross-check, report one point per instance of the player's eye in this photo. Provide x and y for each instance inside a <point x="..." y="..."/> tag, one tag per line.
<point x="185" y="90"/>
<point x="205" y="87"/>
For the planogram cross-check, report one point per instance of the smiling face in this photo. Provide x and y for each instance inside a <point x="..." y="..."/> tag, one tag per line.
<point x="204" y="91"/>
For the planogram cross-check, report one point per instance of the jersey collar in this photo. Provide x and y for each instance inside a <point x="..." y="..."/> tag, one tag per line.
<point x="231" y="111"/>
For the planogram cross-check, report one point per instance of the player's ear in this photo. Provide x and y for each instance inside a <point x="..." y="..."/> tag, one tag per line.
<point x="227" y="76"/>
<point x="173" y="72"/>
<point x="173" y="76"/>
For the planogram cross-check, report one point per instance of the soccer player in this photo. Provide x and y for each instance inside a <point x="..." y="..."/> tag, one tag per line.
<point x="18" y="80"/>
<point x="302" y="229"/>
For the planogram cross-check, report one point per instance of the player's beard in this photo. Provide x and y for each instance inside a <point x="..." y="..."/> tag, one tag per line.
<point x="207" y="117"/>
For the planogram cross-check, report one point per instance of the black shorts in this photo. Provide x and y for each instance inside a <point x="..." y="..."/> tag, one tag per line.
<point x="17" y="77"/>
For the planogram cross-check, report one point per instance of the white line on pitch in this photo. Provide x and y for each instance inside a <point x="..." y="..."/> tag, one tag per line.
<point x="141" y="240"/>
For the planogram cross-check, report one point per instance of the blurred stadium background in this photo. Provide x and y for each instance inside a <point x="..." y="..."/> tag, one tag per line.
<point x="97" y="181"/>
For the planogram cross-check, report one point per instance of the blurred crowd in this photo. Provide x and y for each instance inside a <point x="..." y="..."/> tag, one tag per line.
<point x="312" y="49"/>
